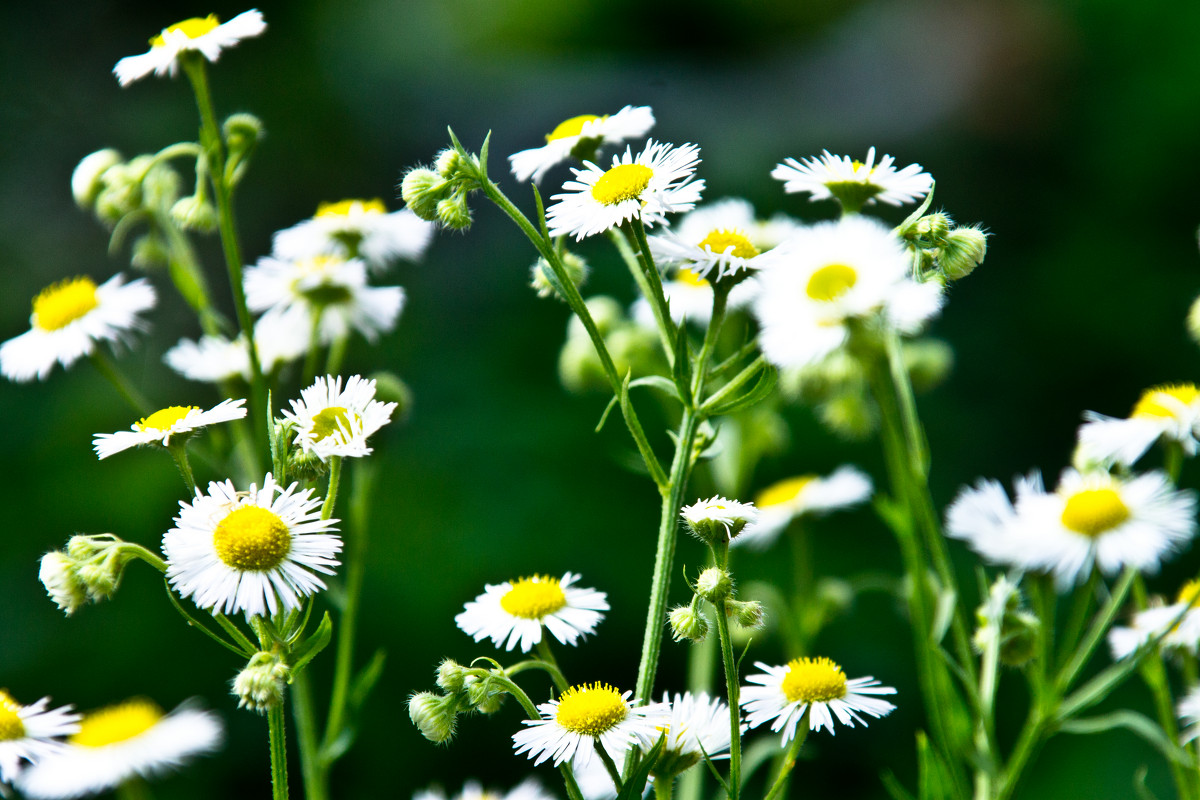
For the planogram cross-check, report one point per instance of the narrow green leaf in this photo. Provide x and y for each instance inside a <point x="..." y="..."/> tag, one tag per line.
<point x="308" y="649"/>
<point x="767" y="378"/>
<point x="196" y="623"/>
<point x="681" y="370"/>
<point x="657" y="382"/>
<point x="483" y="155"/>
<point x="366" y="679"/>
<point x="612" y="403"/>
<point x="916" y="215"/>
<point x="635" y="784"/>
<point x="893" y="787"/>
<point x="1139" y="784"/>
<point x="1139" y="725"/>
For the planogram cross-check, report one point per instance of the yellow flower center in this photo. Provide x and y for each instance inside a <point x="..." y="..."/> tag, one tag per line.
<point x="689" y="277"/>
<point x="1094" y="511"/>
<point x="1188" y="593"/>
<point x="345" y="208"/>
<point x="570" y="127"/>
<point x="813" y="680"/>
<point x="163" y="419"/>
<point x="720" y="239"/>
<point x="622" y="182"/>
<point x="1164" y="401"/>
<point x="784" y="492"/>
<point x="192" y="28"/>
<point x="117" y="723"/>
<point x="59" y="305"/>
<point x="831" y="282"/>
<point x="534" y="597"/>
<point x="330" y="421"/>
<point x="590" y="710"/>
<point x="327" y="292"/>
<point x="252" y="539"/>
<point x="11" y="726"/>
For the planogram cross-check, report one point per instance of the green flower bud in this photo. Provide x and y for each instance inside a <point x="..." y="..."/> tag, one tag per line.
<point x="160" y="186"/>
<point x="714" y="584"/>
<point x="447" y="163"/>
<point x="962" y="252"/>
<point x="687" y="623"/>
<point x="261" y="684"/>
<point x="484" y="694"/>
<point x="242" y="133"/>
<point x="390" y="389"/>
<point x="86" y="180"/>
<point x="434" y="715"/>
<point x="453" y="212"/>
<point x="928" y="362"/>
<point x="100" y="577"/>
<point x="933" y="227"/>
<point x="450" y="676"/>
<point x="542" y="277"/>
<point x="749" y="614"/>
<point x="58" y="575"/>
<point x="849" y="415"/>
<point x="1193" y="321"/>
<point x="422" y="190"/>
<point x="194" y="214"/>
<point x="149" y="252"/>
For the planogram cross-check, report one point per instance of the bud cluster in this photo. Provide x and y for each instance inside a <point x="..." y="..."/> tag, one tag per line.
<point x="949" y="251"/>
<point x="260" y="685"/>
<point x="440" y="194"/>
<point x="90" y="569"/>
<point x="465" y="690"/>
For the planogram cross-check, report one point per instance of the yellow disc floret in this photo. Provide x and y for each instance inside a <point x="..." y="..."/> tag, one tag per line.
<point x="163" y="419"/>
<point x="344" y="208"/>
<point x="783" y="492"/>
<point x="591" y="709"/>
<point x="570" y="127"/>
<point x="1094" y="511"/>
<point x="622" y="182"/>
<point x="192" y="28"/>
<point x="61" y="304"/>
<point x="719" y="240"/>
<point x="534" y="597"/>
<point x="117" y="723"/>
<point x="1164" y="401"/>
<point x="11" y="726"/>
<point x="1187" y="594"/>
<point x="813" y="680"/>
<point x="329" y="421"/>
<point x="252" y="539"/>
<point x="831" y="282"/>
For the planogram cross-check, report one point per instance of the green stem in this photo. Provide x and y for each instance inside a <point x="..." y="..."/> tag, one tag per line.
<point x="178" y="452"/>
<point x="133" y="789"/>
<point x="312" y="766"/>
<point x="543" y="648"/>
<point x="279" y="778"/>
<point x="732" y="690"/>
<point x="531" y="710"/>
<point x="711" y="334"/>
<point x="621" y="238"/>
<point x="187" y="275"/>
<point x="650" y="282"/>
<point x="1028" y="742"/>
<point x="336" y="355"/>
<point x="609" y="765"/>
<point x="1096" y="633"/>
<point x="137" y="551"/>
<point x="128" y="392"/>
<point x="789" y="761"/>
<point x="335" y="478"/>
<point x="664" y="786"/>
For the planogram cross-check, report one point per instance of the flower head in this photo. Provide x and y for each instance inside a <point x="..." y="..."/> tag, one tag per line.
<point x="1170" y="412"/>
<point x="253" y="551"/>
<point x="517" y="610"/>
<point x="206" y="36"/>
<point x="783" y="501"/>
<point x="720" y="239"/>
<point x="335" y="421"/>
<point x="854" y="183"/>
<point x="354" y="229"/>
<point x="30" y="733"/>
<point x="655" y="183"/>
<point x="718" y="519"/>
<point x="159" y="427"/>
<point x="278" y="338"/>
<point x="580" y="137"/>
<point x="699" y="727"/>
<point x="781" y="695"/>
<point x="114" y="744"/>
<point x="68" y="319"/>
<point x="1178" y="624"/>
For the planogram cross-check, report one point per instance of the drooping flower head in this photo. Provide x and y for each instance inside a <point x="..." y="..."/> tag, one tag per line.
<point x="580" y="137"/>
<point x="204" y="35"/>
<point x="514" y="612"/>
<point x="334" y="421"/>
<point x="30" y="733"/>
<point x="785" y="500"/>
<point x="1170" y="412"/>
<point x="854" y="183"/>
<point x="353" y="229"/>
<point x="159" y="427"/>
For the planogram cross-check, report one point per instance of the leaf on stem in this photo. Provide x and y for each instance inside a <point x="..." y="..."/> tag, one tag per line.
<point x="306" y="650"/>
<point x="196" y="623"/>
<point x="635" y="784"/>
<point x="1139" y="725"/>
<point x="767" y="377"/>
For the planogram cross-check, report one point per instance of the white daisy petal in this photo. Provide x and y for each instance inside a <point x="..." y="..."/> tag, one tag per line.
<point x="785" y="500"/>
<point x="202" y="35"/>
<point x="159" y="427"/>
<point x="356" y="228"/>
<point x="588" y="131"/>
<point x="514" y="612"/>
<point x="30" y="733"/>
<point x="829" y="176"/>
<point x="334" y="421"/>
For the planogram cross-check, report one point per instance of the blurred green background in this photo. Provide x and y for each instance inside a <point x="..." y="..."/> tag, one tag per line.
<point x="1067" y="128"/>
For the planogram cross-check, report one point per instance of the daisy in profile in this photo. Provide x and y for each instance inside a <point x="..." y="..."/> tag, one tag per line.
<point x="30" y="733"/>
<point x="253" y="551"/>
<point x="514" y="612"/>
<point x="585" y="717"/>
<point x="699" y="727"/>
<point x="1091" y="519"/>
<point x="829" y="274"/>
<point x="356" y="229"/>
<point x="1169" y="412"/>
<point x="1178" y="624"/>
<point x="158" y="428"/>
<point x="120" y="742"/>
<point x="717" y="519"/>
<point x="719" y="239"/>
<point x="781" y="695"/>
<point x="206" y="36"/>
<point x="657" y="182"/>
<point x="335" y="289"/>
<point x="785" y="500"/>
<point x="854" y="183"/>
<point x="580" y="137"/>
<point x="69" y="318"/>
<point x="1188" y="712"/>
<point x="528" y="789"/>
<point x="279" y="338"/>
<point x="335" y="421"/>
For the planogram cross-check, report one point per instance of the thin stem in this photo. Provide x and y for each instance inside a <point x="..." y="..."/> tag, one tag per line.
<point x="1028" y="742"/>
<point x="516" y="691"/>
<point x="127" y="390"/>
<point x="789" y="761"/>
<point x="137" y="551"/>
<point x="314" y="347"/>
<point x="713" y="332"/>
<point x="187" y="275"/>
<point x="312" y="766"/>
<point x="336" y="354"/>
<point x="620" y="239"/>
<point x="1096" y="633"/>
<point x="732" y="690"/>
<point x="178" y="452"/>
<point x="543" y="648"/>
<point x="609" y="765"/>
<point x="657" y="296"/>
<point x="335" y="478"/>
<point x="276" y="730"/>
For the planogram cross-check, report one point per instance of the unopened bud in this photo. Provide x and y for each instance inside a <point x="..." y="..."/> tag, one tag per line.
<point x="962" y="252"/>
<point x="447" y="163"/>
<point x="450" y="677"/>
<point x="688" y="623"/>
<point x="242" y="132"/>
<point x="194" y="214"/>
<point x="933" y="227"/>
<point x="434" y="715"/>
<point x="86" y="180"/>
<point x="453" y="212"/>
<point x="544" y="282"/>
<point x="484" y="694"/>
<point x="422" y="189"/>
<point x="100" y="577"/>
<point x="714" y="584"/>
<point x="260" y="685"/>
<point x="57" y="574"/>
<point x="749" y="613"/>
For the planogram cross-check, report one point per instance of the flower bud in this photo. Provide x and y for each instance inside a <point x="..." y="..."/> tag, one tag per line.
<point x="194" y="214"/>
<point x="242" y="132"/>
<point x="928" y="362"/>
<point x="962" y="252"/>
<point x="544" y="281"/>
<point x="688" y="623"/>
<point x="260" y="685"/>
<point x="121" y="192"/>
<point x="450" y="676"/>
<point x="160" y="186"/>
<point x="749" y="614"/>
<point x="434" y="715"/>
<point x="149" y="252"/>
<point x="422" y="189"/>
<point x="100" y="577"/>
<point x="453" y="212"/>
<point x="1193" y="321"/>
<point x="86" y="180"/>
<point x="933" y="227"/>
<point x="485" y="694"/>
<point x="848" y="414"/>
<point x="57" y="574"/>
<point x="447" y="163"/>
<point x="714" y="584"/>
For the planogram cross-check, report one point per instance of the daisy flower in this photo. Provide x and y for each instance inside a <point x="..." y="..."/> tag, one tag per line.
<point x="699" y="726"/>
<point x="30" y="733"/>
<point x="690" y="296"/>
<point x="585" y="716"/>
<point x="206" y="36"/>
<point x="1091" y="519"/>
<point x="580" y="136"/>
<point x="528" y="789"/>
<point x="159" y="427"/>
<point x="516" y="611"/>
<point x="68" y="319"/>
<point x="279" y="338"/>
<point x="829" y="274"/>
<point x="787" y="499"/>
<point x="333" y="287"/>
<point x="655" y="183"/>
<point x="120" y="742"/>
<point x="781" y="695"/>
<point x="1178" y="624"/>
<point x="712" y="246"/>
<point x="253" y="551"/>
<point x="706" y="517"/>
<point x="332" y="421"/>
<point x="1170" y="412"/>
<point x="1188" y="712"/>
<point x="854" y="183"/>
<point x="356" y="228"/>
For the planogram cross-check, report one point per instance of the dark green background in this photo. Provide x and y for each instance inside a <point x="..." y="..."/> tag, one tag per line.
<point x="1068" y="129"/>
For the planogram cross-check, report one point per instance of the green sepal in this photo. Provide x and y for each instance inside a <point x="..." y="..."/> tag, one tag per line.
<point x="768" y="377"/>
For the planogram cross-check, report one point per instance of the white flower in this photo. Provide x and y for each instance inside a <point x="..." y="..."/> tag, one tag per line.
<point x="1170" y="412"/>
<point x="59" y="575"/>
<point x="831" y="273"/>
<point x="781" y="695"/>
<point x="252" y="551"/>
<point x="120" y="742"/>
<point x="332" y="421"/>
<point x="705" y="517"/>
<point x="333" y="287"/>
<point x="69" y="318"/>
<point x="783" y="501"/>
<point x="279" y="339"/>
<point x="1178" y="624"/>
<point x="159" y="427"/>
<point x="30" y="733"/>
<point x="1090" y="519"/>
<point x="655" y="183"/>
<point x="587" y="715"/>
<point x="356" y="228"/>
<point x="528" y="789"/>
<point x="517" y="610"/>
<point x="690" y="297"/>
<point x="585" y="131"/>
<point x="699" y="727"/>
<point x="856" y="183"/>
<point x="205" y="36"/>
<point x="1188" y="712"/>
<point x="725" y="246"/>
